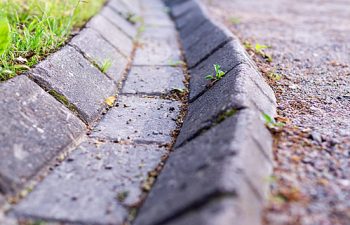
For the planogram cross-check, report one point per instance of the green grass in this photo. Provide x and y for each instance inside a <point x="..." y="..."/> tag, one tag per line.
<point x="38" y="28"/>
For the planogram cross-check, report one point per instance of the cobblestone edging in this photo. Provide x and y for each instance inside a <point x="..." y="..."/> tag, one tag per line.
<point x="218" y="173"/>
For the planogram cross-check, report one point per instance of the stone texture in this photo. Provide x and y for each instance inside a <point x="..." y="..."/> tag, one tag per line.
<point x="94" y="182"/>
<point x="158" y="19"/>
<point x="119" y="7"/>
<point x="117" y="20"/>
<point x="35" y="128"/>
<point x="157" y="47"/>
<point x="236" y="90"/>
<point x="139" y="119"/>
<point x="183" y="8"/>
<point x="224" y="211"/>
<point x="212" y="36"/>
<point x="70" y="74"/>
<point x="154" y="80"/>
<point x="112" y="34"/>
<point x="87" y="42"/>
<point x="229" y="56"/>
<point x="216" y="164"/>
<point x="190" y="22"/>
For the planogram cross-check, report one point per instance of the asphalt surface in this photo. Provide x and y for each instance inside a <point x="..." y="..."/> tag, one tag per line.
<point x="309" y="45"/>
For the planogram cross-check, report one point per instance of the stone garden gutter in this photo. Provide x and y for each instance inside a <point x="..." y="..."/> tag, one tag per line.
<point x="222" y="159"/>
<point x="218" y="172"/>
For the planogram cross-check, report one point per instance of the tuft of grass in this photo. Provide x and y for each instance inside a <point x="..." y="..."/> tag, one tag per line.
<point x="218" y="73"/>
<point x="270" y="122"/>
<point x="38" y="28"/>
<point x="105" y="65"/>
<point x="258" y="49"/>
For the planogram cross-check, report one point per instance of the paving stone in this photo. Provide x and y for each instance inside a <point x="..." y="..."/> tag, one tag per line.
<point x="235" y="90"/>
<point x="132" y="5"/>
<point x="88" y="39"/>
<point x="139" y="120"/>
<point x="171" y="3"/>
<point x="68" y="73"/>
<point x="189" y="22"/>
<point x="217" y="163"/>
<point x="158" y="19"/>
<point x="223" y="212"/>
<point x="154" y="80"/>
<point x="229" y="56"/>
<point x="94" y="182"/>
<point x="119" y="7"/>
<point x="212" y="38"/>
<point x="183" y="8"/>
<point x="119" y="21"/>
<point x="161" y="33"/>
<point x="112" y="34"/>
<point x="35" y="128"/>
<point x="158" y="49"/>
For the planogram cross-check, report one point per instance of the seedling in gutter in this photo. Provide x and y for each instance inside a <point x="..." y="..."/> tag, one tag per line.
<point x="106" y="65"/>
<point x="270" y="122"/>
<point x="218" y="73"/>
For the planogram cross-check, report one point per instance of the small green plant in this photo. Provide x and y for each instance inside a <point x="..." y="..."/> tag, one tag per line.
<point x="270" y="122"/>
<point x="105" y="65"/>
<point x="218" y="73"/>
<point x="259" y="49"/>
<point x="5" y="38"/>
<point x="235" y="20"/>
<point x="274" y="76"/>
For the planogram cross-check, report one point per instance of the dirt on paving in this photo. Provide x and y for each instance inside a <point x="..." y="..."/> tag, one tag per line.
<point x="307" y="63"/>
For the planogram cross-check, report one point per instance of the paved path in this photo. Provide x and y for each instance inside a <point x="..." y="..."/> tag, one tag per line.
<point x="310" y="48"/>
<point x="106" y="176"/>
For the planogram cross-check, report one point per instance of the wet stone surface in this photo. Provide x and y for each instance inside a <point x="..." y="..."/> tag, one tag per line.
<point x="309" y="45"/>
<point x="93" y="184"/>
<point x="88" y="39"/>
<point x="138" y="119"/>
<point x="34" y="130"/>
<point x="154" y="80"/>
<point x="69" y="74"/>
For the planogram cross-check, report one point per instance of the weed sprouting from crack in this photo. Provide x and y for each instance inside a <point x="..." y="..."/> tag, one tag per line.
<point x="271" y="123"/>
<point x="258" y="49"/>
<point x="218" y="74"/>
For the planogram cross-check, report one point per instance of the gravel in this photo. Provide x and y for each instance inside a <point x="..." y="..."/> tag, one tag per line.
<point x="310" y="50"/>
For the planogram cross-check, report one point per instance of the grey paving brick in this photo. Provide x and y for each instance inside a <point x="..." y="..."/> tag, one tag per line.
<point x="161" y="33"/>
<point x="229" y="56"/>
<point x="119" y="7"/>
<point x="116" y="19"/>
<point x="154" y="80"/>
<point x="235" y="90"/>
<point x="212" y="38"/>
<point x="171" y="3"/>
<point x="35" y="128"/>
<point x="88" y="40"/>
<point x="158" y="19"/>
<point x="91" y="186"/>
<point x="183" y="8"/>
<point x="157" y="49"/>
<point x="112" y="34"/>
<point x="190" y="21"/>
<point x="68" y="73"/>
<point x="139" y="120"/>
<point x="217" y="163"/>
<point x="133" y="5"/>
<point x="242" y="211"/>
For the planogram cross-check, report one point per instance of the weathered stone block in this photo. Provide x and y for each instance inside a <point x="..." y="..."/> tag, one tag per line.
<point x="112" y="34"/>
<point x="228" y="57"/>
<point x="87" y="42"/>
<point x="236" y="90"/>
<point x="183" y="8"/>
<point x="139" y="120"/>
<point x="75" y="80"/>
<point x="154" y="80"/>
<point x="117" y="20"/>
<point x="155" y="51"/>
<point x="213" y="36"/>
<point x="93" y="184"/>
<point x="35" y="128"/>
<point x="217" y="163"/>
